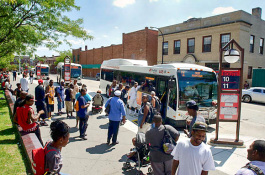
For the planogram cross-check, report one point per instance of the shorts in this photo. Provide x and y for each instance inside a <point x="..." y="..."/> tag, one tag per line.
<point x="42" y="106"/>
<point x="50" y="107"/>
<point x="133" y="103"/>
<point x="69" y="106"/>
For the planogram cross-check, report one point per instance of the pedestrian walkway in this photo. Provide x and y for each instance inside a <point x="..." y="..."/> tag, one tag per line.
<point x="94" y="156"/>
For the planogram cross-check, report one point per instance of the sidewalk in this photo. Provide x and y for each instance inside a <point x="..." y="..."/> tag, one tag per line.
<point x="93" y="156"/>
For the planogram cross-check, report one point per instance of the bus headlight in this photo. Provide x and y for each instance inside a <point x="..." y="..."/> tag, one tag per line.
<point x="79" y="78"/>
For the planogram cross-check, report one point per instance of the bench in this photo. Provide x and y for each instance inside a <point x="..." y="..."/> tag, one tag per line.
<point x="29" y="140"/>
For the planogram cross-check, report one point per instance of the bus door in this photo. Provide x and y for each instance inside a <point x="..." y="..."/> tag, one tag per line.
<point x="162" y="94"/>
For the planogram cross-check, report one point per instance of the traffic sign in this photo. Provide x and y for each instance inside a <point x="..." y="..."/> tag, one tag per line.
<point x="230" y="80"/>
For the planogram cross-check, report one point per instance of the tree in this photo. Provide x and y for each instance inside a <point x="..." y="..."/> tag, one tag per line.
<point x="63" y="54"/>
<point x="5" y="61"/>
<point x="27" y="24"/>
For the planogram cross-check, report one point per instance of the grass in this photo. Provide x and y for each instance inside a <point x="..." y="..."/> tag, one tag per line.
<point x="12" y="156"/>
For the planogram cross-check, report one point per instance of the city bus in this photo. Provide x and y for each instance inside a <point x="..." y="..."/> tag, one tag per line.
<point x="44" y="71"/>
<point x="174" y="84"/>
<point x="76" y="72"/>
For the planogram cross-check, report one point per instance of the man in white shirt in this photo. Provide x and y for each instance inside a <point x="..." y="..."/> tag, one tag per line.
<point x="192" y="156"/>
<point x="256" y="155"/>
<point x="24" y="83"/>
<point x="133" y="97"/>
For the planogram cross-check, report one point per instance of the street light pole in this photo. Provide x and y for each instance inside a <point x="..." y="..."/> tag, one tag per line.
<point x="162" y="42"/>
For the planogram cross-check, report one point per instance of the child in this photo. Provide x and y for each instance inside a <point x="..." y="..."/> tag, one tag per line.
<point x="60" y="137"/>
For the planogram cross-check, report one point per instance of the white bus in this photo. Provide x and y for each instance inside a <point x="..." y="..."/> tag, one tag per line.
<point x="44" y="71"/>
<point x="76" y="72"/>
<point x="174" y="84"/>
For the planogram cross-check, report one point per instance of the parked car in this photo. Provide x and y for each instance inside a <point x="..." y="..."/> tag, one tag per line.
<point x="256" y="94"/>
<point x="97" y="76"/>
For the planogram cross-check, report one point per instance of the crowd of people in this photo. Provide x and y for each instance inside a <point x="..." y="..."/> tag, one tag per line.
<point x="189" y="156"/>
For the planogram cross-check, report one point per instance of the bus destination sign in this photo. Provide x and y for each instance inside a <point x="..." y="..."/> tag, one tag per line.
<point x="230" y="80"/>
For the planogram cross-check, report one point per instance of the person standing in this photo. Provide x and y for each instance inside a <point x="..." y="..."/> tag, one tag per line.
<point x="24" y="83"/>
<point x="246" y="85"/>
<point x="26" y="119"/>
<point x="60" y="97"/>
<point x="192" y="109"/>
<point x="14" y="75"/>
<point x="40" y="102"/>
<point x="69" y="100"/>
<point x="82" y="114"/>
<point x="192" y="156"/>
<point x="18" y="90"/>
<point x="124" y="97"/>
<point x="31" y="77"/>
<point x="46" y="82"/>
<point x="50" y="92"/>
<point x="160" y="161"/>
<point x="133" y="97"/>
<point x="256" y="156"/>
<point x="144" y="114"/>
<point x="116" y="115"/>
<point x="75" y="91"/>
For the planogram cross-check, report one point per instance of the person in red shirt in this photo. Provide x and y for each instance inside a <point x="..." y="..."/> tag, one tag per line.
<point x="26" y="118"/>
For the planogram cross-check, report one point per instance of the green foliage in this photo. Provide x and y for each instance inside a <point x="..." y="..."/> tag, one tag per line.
<point x="27" y="24"/>
<point x="5" y="61"/>
<point x="12" y="67"/>
<point x="63" y="54"/>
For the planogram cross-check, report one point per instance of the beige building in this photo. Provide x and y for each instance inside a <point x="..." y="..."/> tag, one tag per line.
<point x="198" y="40"/>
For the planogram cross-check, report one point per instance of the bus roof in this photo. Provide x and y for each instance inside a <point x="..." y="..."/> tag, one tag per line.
<point x="116" y="63"/>
<point x="60" y="64"/>
<point x="43" y="65"/>
<point x="183" y="66"/>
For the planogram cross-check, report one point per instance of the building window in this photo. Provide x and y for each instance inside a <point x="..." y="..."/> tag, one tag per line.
<point x="225" y="38"/>
<point x="77" y="58"/>
<point x="249" y="72"/>
<point x="177" y="47"/>
<point x="74" y="58"/>
<point x="251" y="42"/>
<point x="207" y="43"/>
<point x="261" y="45"/>
<point x="165" y="48"/>
<point x="191" y="45"/>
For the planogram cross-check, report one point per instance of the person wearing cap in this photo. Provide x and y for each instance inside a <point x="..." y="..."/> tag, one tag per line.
<point x="133" y="97"/>
<point x="160" y="161"/>
<point x="60" y="97"/>
<point x="192" y="109"/>
<point x="40" y="102"/>
<point x="26" y="119"/>
<point x="82" y="114"/>
<point x="116" y="115"/>
<point x="256" y="156"/>
<point x="192" y="156"/>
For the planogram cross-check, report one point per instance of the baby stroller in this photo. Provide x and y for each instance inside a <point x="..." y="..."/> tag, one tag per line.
<point x="97" y="104"/>
<point x="139" y="154"/>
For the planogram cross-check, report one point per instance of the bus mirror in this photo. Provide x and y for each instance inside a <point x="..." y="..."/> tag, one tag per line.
<point x="171" y="83"/>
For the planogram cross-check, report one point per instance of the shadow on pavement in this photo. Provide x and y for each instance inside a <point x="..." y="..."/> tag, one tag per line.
<point x="102" y="117"/>
<point x="104" y="126"/>
<point x="73" y="129"/>
<point x="123" y="158"/>
<point x="100" y="149"/>
<point x="221" y="155"/>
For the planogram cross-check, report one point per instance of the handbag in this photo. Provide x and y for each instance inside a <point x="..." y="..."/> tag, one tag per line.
<point x="168" y="142"/>
<point x="107" y="109"/>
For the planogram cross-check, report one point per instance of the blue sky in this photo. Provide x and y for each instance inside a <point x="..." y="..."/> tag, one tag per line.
<point x="106" y="20"/>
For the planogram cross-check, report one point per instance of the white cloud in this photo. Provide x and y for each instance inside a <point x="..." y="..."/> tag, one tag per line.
<point x="221" y="10"/>
<point x="88" y="31"/>
<point x="190" y="17"/>
<point x="116" y="27"/>
<point x="42" y="49"/>
<point x="153" y="0"/>
<point x="105" y="36"/>
<point x="123" y="3"/>
<point x="76" y="42"/>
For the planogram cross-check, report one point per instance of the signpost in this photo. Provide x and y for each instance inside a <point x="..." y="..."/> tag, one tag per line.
<point x="38" y="69"/>
<point x="67" y="70"/>
<point x="229" y="92"/>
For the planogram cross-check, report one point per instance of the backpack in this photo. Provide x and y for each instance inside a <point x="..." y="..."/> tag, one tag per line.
<point x="168" y="142"/>
<point x="158" y="104"/>
<point x="254" y="168"/>
<point x="76" y="105"/>
<point x="56" y="93"/>
<point x="107" y="109"/>
<point x="38" y="160"/>
<point x="151" y="113"/>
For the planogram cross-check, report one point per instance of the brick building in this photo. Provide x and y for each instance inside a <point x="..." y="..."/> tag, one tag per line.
<point x="139" y="45"/>
<point x="198" y="40"/>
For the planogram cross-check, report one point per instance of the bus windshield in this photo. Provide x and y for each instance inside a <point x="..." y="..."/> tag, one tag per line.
<point x="199" y="86"/>
<point x="75" y="73"/>
<point x="44" y="70"/>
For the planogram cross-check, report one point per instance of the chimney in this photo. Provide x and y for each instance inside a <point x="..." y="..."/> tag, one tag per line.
<point x="85" y="47"/>
<point x="257" y="12"/>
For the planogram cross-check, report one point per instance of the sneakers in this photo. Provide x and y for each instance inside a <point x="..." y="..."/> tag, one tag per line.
<point x="83" y="138"/>
<point x="115" y="143"/>
<point x="43" y="123"/>
<point x="49" y="118"/>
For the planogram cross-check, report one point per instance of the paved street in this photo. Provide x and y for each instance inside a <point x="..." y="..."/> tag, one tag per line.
<point x="93" y="156"/>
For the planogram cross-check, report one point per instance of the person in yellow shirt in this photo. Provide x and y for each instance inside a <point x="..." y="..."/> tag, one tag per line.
<point x="50" y="92"/>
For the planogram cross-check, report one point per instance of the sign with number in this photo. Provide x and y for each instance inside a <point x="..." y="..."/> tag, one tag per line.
<point x="67" y="69"/>
<point x="38" y="70"/>
<point x="230" y="79"/>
